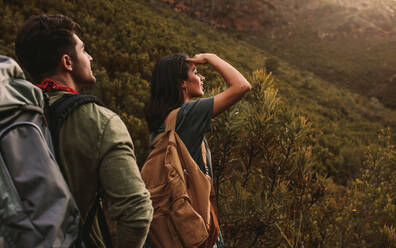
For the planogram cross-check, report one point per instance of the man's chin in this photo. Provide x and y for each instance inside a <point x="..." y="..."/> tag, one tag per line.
<point x="88" y="83"/>
<point x="92" y="80"/>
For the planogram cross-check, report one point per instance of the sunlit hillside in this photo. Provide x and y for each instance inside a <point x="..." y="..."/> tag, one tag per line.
<point x="348" y="43"/>
<point x="328" y="15"/>
<point x="301" y="162"/>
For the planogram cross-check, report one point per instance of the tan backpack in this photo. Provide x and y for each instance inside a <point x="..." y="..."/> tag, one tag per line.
<point x="183" y="213"/>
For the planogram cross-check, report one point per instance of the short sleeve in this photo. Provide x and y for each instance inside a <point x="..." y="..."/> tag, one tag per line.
<point x="196" y="115"/>
<point x="193" y="121"/>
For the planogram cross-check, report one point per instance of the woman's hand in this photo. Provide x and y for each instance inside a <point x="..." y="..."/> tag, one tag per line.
<point x="201" y="58"/>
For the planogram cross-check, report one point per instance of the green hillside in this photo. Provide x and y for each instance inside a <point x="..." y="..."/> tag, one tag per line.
<point x="364" y="64"/>
<point x="348" y="43"/>
<point x="301" y="176"/>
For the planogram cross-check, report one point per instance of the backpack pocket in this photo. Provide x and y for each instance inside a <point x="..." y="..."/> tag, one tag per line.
<point x="175" y="222"/>
<point x="162" y="234"/>
<point x="187" y="223"/>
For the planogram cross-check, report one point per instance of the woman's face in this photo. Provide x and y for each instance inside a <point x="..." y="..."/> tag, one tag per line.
<point x="193" y="86"/>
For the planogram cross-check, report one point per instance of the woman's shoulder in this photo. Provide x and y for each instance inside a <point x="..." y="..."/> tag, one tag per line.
<point x="199" y="105"/>
<point x="195" y="114"/>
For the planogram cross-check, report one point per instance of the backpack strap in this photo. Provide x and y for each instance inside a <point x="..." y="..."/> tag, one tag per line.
<point x="56" y="115"/>
<point x="86" y="227"/>
<point x="170" y="124"/>
<point x="203" y="150"/>
<point x="170" y="121"/>
<point x="214" y="223"/>
<point x="58" y="112"/>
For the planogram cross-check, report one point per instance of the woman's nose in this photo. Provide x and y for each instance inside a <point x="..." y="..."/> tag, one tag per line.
<point x="202" y="77"/>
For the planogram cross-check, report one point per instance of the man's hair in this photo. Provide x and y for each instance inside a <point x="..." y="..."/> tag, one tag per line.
<point x="42" y="41"/>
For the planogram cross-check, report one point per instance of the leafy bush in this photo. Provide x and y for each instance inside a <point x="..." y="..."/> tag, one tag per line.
<point x="265" y="192"/>
<point x="272" y="195"/>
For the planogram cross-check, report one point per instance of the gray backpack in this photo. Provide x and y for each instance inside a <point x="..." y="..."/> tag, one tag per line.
<point x="36" y="206"/>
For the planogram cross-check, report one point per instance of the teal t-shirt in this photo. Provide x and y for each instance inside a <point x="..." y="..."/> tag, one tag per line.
<point x="192" y="122"/>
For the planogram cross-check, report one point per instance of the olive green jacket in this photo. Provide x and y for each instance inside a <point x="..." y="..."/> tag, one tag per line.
<point x="96" y="148"/>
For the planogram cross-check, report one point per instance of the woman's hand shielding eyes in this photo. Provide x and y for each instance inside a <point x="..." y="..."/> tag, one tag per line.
<point x="201" y="58"/>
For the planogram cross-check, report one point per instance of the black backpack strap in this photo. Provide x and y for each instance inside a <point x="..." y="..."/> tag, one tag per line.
<point x="102" y="222"/>
<point x="56" y="114"/>
<point x="85" y="230"/>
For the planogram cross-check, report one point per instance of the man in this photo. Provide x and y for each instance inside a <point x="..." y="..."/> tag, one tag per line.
<point x="95" y="148"/>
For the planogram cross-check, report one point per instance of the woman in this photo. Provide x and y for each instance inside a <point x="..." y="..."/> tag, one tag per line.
<point x="176" y="83"/>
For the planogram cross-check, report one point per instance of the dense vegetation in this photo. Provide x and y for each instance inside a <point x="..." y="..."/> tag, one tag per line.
<point x="299" y="162"/>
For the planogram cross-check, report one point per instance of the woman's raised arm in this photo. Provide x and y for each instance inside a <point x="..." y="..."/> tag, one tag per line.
<point x="237" y="83"/>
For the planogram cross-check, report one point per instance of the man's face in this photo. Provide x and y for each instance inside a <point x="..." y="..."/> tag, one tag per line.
<point x="82" y="73"/>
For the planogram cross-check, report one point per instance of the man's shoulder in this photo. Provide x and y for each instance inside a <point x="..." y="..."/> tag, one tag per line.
<point x="89" y="117"/>
<point x="94" y="110"/>
<point x="89" y="109"/>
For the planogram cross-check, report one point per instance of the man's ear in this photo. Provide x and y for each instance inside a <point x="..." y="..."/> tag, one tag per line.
<point x="66" y="62"/>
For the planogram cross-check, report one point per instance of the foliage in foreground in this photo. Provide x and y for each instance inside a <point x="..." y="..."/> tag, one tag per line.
<point x="270" y="195"/>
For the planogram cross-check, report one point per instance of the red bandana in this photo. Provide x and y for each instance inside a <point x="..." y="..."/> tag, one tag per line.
<point x="49" y="85"/>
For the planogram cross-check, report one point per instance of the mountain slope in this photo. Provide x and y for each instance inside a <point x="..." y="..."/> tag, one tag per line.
<point x="349" y="43"/>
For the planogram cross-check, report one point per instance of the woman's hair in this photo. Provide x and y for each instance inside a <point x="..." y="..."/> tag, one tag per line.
<point x="166" y="92"/>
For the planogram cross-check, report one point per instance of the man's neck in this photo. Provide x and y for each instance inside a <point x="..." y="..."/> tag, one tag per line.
<point x="65" y="80"/>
